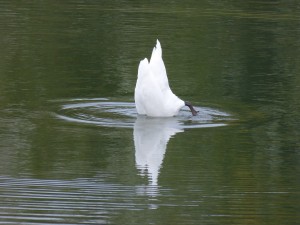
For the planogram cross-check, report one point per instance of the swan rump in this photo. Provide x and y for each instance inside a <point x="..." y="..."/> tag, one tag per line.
<point x="153" y="96"/>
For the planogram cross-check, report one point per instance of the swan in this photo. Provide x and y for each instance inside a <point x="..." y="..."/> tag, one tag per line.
<point x="153" y="96"/>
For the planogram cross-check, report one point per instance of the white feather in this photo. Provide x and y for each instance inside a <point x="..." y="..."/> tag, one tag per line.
<point x="153" y="96"/>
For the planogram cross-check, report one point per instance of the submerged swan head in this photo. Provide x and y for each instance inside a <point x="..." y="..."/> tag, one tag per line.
<point x="153" y="96"/>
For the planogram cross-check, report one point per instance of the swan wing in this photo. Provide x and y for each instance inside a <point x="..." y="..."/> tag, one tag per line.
<point x="139" y="97"/>
<point x="149" y="91"/>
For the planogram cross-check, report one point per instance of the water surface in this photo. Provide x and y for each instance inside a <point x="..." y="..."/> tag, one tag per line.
<point x="74" y="151"/>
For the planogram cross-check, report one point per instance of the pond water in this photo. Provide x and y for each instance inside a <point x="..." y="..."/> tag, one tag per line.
<point x="74" y="151"/>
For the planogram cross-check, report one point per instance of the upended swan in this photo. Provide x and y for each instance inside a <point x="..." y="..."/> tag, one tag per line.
<point x="153" y="96"/>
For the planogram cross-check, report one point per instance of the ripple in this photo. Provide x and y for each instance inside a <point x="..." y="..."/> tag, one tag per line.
<point x="87" y="201"/>
<point x="103" y="112"/>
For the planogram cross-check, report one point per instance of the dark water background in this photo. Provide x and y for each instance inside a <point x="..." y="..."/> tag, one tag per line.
<point x="73" y="151"/>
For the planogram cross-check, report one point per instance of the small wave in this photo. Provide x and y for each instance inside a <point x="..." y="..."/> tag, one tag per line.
<point x="103" y="112"/>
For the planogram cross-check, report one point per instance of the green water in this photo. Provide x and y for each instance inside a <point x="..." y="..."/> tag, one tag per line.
<point x="73" y="150"/>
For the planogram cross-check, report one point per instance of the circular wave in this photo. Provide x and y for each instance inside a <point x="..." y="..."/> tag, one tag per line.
<point x="103" y="112"/>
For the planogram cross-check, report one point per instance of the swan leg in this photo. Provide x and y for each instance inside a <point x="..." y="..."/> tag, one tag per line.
<point x="188" y="104"/>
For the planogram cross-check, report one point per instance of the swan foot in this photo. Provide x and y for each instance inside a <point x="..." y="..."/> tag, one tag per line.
<point x="194" y="112"/>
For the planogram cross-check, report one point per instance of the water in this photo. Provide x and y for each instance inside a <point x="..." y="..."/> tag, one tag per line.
<point x="102" y="112"/>
<point x="74" y="151"/>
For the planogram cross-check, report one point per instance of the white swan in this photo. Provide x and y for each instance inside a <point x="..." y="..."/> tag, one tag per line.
<point x="153" y="96"/>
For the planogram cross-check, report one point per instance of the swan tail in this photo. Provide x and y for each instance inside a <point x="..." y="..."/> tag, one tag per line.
<point x="157" y="52"/>
<point x="158" y="67"/>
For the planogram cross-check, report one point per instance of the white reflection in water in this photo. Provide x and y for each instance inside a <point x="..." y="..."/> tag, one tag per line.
<point x="151" y="136"/>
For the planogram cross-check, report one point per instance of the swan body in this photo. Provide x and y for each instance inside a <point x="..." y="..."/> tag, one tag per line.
<point x="153" y="96"/>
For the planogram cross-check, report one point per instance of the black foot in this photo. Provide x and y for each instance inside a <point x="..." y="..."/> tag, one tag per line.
<point x="194" y="112"/>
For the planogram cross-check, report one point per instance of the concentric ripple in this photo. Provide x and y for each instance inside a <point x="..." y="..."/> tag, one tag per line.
<point x="103" y="112"/>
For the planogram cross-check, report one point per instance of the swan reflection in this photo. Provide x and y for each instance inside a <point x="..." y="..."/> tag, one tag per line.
<point x="151" y="136"/>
